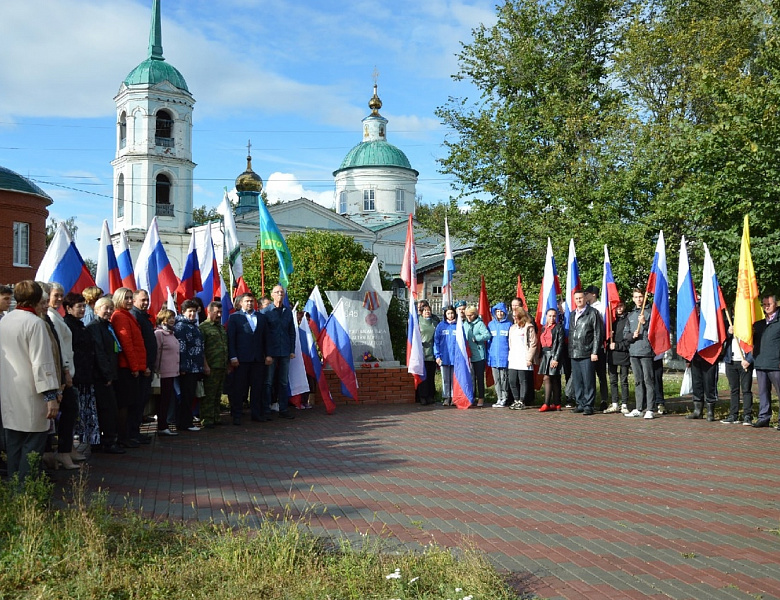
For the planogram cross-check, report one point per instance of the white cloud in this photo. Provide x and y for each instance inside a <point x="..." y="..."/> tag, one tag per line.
<point x="283" y="187"/>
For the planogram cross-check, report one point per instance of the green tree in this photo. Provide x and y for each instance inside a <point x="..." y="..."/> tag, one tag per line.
<point x="543" y="151"/>
<point x="202" y="215"/>
<point x="333" y="262"/>
<point x="53" y="224"/>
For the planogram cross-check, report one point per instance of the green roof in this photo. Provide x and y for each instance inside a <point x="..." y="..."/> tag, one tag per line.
<point x="375" y="153"/>
<point x="16" y="183"/>
<point x="155" y="70"/>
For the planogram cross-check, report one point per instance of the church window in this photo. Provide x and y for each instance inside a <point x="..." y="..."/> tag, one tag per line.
<point x="368" y="200"/>
<point x="163" y="133"/>
<point x="120" y="196"/>
<point x="400" y="201"/>
<point x="342" y="203"/>
<point x="164" y="208"/>
<point x="122" y="130"/>
<point x="21" y="245"/>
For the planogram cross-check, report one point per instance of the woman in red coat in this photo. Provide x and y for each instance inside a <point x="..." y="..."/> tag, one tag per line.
<point x="132" y="362"/>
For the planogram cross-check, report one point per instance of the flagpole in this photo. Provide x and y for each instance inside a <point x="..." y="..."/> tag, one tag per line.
<point x="641" y="314"/>
<point x="262" y="274"/>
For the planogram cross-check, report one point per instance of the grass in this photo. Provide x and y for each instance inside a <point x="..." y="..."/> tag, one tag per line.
<point x="84" y="550"/>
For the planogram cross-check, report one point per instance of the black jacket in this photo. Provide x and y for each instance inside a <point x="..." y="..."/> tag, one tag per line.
<point x="586" y="334"/>
<point x="766" y="344"/>
<point x="147" y="332"/>
<point x="106" y="362"/>
<point x="83" y="351"/>
<point x="620" y="356"/>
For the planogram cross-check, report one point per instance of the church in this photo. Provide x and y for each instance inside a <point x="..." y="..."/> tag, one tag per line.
<point x="374" y="186"/>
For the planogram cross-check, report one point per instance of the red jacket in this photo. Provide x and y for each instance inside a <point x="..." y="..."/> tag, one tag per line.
<point x="133" y="354"/>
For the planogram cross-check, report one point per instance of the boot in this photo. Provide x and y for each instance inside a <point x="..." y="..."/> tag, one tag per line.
<point x="696" y="414"/>
<point x="65" y="461"/>
<point x="710" y="411"/>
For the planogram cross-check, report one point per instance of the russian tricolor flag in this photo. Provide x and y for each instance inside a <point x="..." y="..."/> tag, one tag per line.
<point x="125" y="262"/>
<point x="336" y="349"/>
<point x="447" y="297"/>
<point x="687" y="318"/>
<point x="712" y="329"/>
<point x="462" y="377"/>
<point x="551" y="287"/>
<point x="311" y="360"/>
<point x="415" y="360"/>
<point x="211" y="283"/>
<point x="296" y="380"/>
<point x="153" y="271"/>
<point x="63" y="264"/>
<point x="573" y="285"/>
<point x="190" y="283"/>
<point x="658" y="285"/>
<point x="317" y="313"/>
<point x="227" y="302"/>
<point x="107" y="277"/>
<point x="610" y="297"/>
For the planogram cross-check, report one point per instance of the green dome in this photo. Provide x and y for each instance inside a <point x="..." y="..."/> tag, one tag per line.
<point x="156" y="70"/>
<point x="375" y="153"/>
<point x="14" y="182"/>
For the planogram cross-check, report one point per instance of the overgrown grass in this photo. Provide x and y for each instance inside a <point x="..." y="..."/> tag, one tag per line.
<point x="84" y="550"/>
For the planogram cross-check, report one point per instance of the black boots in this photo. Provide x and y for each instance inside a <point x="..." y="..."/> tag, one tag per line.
<point x="696" y="414"/>
<point x="710" y="411"/>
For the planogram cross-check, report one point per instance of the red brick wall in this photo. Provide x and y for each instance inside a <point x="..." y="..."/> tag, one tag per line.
<point x="376" y="386"/>
<point x="23" y="208"/>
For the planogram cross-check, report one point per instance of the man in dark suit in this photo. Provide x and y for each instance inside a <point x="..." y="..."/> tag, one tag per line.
<point x="280" y="348"/>
<point x="246" y="349"/>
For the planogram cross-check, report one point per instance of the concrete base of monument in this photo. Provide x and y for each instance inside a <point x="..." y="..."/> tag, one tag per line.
<point x="390" y="383"/>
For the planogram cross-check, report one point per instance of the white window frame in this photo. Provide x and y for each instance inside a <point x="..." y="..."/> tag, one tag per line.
<point x="21" y="257"/>
<point x="369" y="200"/>
<point x="400" y="200"/>
<point x="343" y="202"/>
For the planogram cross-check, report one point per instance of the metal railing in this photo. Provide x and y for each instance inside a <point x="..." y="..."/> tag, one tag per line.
<point x="165" y="142"/>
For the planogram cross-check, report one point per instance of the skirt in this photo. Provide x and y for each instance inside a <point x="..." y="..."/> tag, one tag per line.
<point x="544" y="363"/>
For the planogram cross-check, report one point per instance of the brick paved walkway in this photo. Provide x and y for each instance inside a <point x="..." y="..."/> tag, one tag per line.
<point x="573" y="506"/>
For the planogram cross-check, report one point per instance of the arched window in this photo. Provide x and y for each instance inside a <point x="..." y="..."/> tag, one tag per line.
<point x="122" y="130"/>
<point x="163" y="132"/>
<point x="164" y="208"/>
<point x="120" y="196"/>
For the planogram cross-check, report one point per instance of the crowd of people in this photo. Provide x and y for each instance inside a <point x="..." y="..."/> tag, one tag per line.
<point x="83" y="366"/>
<point x="518" y="351"/>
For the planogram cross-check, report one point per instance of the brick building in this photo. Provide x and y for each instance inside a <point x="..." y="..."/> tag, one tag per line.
<point x="23" y="214"/>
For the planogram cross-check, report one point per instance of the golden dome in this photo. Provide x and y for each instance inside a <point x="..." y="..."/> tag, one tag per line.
<point x="375" y="103"/>
<point x="249" y="181"/>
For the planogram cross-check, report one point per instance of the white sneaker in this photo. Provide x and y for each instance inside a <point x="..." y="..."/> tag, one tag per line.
<point x="661" y="409"/>
<point x="634" y="413"/>
<point x="500" y="404"/>
<point x="649" y="414"/>
<point x="275" y="407"/>
<point x="624" y="409"/>
<point x="193" y="428"/>
<point x="167" y="432"/>
<point x="612" y="409"/>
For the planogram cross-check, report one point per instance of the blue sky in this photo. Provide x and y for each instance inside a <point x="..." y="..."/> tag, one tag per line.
<point x="295" y="77"/>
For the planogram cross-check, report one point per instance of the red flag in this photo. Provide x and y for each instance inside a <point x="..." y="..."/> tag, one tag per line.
<point x="520" y="293"/>
<point x="484" y="313"/>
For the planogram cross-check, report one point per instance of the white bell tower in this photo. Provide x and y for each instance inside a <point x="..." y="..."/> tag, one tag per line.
<point x="153" y="168"/>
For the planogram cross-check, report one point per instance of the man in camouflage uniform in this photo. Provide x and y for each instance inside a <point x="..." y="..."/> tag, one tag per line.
<point x="216" y="364"/>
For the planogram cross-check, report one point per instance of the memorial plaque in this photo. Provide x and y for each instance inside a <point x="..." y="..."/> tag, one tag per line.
<point x="366" y="312"/>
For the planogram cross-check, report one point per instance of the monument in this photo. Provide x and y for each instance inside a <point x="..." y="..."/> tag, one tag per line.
<point x="366" y="312"/>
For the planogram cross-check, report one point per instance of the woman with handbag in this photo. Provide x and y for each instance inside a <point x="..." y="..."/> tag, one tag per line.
<point x="167" y="367"/>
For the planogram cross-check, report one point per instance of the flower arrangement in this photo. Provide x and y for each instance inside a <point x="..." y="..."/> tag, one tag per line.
<point x="368" y="357"/>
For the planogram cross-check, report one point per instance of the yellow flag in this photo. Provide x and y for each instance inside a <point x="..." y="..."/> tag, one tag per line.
<point x="747" y="307"/>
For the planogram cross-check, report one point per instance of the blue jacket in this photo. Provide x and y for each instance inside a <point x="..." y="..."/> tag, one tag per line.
<point x="444" y="344"/>
<point x="279" y="331"/>
<point x="498" y="346"/>
<point x="244" y="344"/>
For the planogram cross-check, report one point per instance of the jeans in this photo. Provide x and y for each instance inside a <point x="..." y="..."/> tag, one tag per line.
<point x="501" y="377"/>
<point x="766" y="381"/>
<point x="645" y="382"/>
<point x="518" y="383"/>
<point x="618" y="374"/>
<point x="280" y="366"/>
<point x="740" y="387"/>
<point x="583" y="382"/>
<point x="446" y="382"/>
